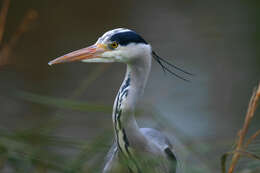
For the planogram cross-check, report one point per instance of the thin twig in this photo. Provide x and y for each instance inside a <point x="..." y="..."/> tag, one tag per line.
<point x="242" y="133"/>
<point x="30" y="16"/>
<point x="249" y="141"/>
<point x="244" y="153"/>
<point x="3" y="14"/>
<point x="249" y="154"/>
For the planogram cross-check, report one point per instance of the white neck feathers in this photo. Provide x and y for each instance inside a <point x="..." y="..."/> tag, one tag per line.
<point x="125" y="126"/>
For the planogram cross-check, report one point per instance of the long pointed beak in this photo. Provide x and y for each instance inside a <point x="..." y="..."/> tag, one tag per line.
<point x="90" y="52"/>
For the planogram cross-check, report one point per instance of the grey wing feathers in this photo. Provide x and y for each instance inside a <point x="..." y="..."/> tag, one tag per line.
<point x="163" y="143"/>
<point x="157" y="138"/>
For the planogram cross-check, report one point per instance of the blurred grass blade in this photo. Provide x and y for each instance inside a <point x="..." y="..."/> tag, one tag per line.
<point x="223" y="161"/>
<point x="88" y="152"/>
<point x="63" y="103"/>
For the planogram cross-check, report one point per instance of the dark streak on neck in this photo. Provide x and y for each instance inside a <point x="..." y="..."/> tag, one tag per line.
<point x="122" y="94"/>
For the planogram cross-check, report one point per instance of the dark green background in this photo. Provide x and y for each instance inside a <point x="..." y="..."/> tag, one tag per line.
<point x="215" y="40"/>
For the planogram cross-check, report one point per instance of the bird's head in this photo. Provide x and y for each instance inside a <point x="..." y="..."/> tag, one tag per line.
<point x="118" y="45"/>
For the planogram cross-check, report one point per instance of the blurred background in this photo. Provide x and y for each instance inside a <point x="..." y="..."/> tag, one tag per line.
<point x="58" y="119"/>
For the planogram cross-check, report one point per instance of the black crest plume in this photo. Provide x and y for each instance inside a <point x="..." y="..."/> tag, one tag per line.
<point x="164" y="64"/>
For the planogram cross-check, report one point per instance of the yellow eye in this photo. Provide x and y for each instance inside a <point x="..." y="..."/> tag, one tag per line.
<point x="114" y="45"/>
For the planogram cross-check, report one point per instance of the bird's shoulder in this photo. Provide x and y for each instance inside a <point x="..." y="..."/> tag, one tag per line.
<point x="158" y="138"/>
<point x="163" y="143"/>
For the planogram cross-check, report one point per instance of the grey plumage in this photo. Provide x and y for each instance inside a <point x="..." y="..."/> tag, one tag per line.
<point x="168" y="161"/>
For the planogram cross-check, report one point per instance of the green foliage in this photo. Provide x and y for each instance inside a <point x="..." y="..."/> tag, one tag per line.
<point x="63" y="103"/>
<point x="32" y="150"/>
<point x="37" y="149"/>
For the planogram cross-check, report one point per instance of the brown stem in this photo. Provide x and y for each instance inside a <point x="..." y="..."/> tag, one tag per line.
<point x="242" y="133"/>
<point x="3" y="14"/>
<point x="30" y="16"/>
<point x="249" y="141"/>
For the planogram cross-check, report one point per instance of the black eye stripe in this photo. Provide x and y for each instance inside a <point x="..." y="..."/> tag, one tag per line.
<point x="125" y="38"/>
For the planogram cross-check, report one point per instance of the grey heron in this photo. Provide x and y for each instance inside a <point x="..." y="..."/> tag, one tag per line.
<point x="135" y="149"/>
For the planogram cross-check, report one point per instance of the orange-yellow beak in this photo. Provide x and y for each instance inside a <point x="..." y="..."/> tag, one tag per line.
<point x="90" y="52"/>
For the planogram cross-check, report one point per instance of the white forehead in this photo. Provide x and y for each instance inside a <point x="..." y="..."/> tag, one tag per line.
<point x="105" y="37"/>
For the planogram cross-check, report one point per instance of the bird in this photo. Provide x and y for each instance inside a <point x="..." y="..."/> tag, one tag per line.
<point x="135" y="149"/>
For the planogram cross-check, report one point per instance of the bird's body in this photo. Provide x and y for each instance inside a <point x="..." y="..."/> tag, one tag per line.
<point x="157" y="157"/>
<point x="135" y="150"/>
<point x="129" y="138"/>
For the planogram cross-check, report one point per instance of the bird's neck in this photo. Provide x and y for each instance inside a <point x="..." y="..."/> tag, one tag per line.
<point x="127" y="132"/>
